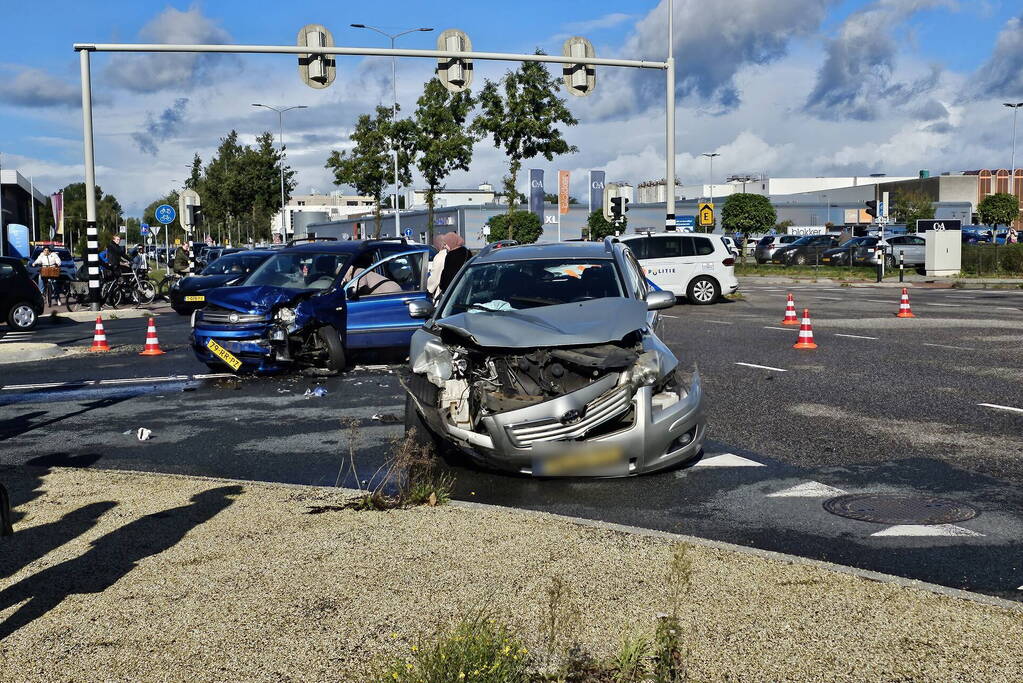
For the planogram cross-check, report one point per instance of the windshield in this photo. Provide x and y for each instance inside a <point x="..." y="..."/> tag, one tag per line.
<point x="232" y="264"/>
<point x="517" y="285"/>
<point x="303" y="270"/>
<point x="857" y="241"/>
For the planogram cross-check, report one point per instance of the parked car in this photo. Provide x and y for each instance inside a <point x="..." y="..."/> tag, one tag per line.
<point x="189" y="294"/>
<point x="697" y="267"/>
<point x="912" y="248"/>
<point x="768" y="244"/>
<point x="543" y="359"/>
<point x="842" y="255"/>
<point x="68" y="267"/>
<point x="804" y="251"/>
<point x="312" y="304"/>
<point x="21" y="302"/>
<point x="731" y="245"/>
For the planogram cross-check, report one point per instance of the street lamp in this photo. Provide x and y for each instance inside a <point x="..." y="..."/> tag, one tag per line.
<point x="280" y="121"/>
<point x="394" y="113"/>
<point x="1012" y="178"/>
<point x="711" y="155"/>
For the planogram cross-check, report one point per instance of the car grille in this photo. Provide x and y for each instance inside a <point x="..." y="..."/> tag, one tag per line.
<point x="222" y="316"/>
<point x="598" y="411"/>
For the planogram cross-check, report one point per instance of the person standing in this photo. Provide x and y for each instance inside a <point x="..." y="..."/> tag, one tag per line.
<point x="456" y="257"/>
<point x="181" y="259"/>
<point x="436" y="267"/>
<point x="115" y="256"/>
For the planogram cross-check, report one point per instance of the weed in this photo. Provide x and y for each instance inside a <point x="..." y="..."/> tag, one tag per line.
<point x="629" y="663"/>
<point x="561" y="617"/>
<point x="408" y="476"/>
<point x="352" y="436"/>
<point x="669" y="659"/>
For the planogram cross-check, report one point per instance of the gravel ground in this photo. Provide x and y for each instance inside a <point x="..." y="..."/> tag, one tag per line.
<point x="118" y="576"/>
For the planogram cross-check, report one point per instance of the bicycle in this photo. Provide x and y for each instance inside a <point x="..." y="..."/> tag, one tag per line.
<point x="54" y="290"/>
<point x="166" y="283"/>
<point x="129" y="288"/>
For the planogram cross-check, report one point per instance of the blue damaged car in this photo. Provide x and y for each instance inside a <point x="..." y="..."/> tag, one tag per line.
<point x="313" y="304"/>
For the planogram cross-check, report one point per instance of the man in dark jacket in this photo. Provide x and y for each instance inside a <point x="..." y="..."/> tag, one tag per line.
<point x="454" y="260"/>
<point x="115" y="256"/>
<point x="181" y="259"/>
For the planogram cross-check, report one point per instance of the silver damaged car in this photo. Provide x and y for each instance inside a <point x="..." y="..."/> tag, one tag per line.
<point x="544" y="360"/>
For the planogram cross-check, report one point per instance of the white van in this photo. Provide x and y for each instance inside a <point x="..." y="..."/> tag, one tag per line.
<point x="698" y="267"/>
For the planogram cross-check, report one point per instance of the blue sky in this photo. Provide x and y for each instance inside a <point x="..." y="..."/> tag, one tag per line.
<point x="783" y="87"/>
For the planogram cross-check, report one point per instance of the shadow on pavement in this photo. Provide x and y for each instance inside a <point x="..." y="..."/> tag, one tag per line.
<point x="23" y="424"/>
<point x="109" y="558"/>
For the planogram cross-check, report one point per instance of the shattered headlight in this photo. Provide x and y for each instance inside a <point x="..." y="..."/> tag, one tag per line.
<point x="435" y="362"/>
<point x="285" y="315"/>
<point x="646" y="370"/>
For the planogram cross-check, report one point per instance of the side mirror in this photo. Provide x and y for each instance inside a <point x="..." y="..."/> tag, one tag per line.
<point x="420" y="308"/>
<point x="351" y="294"/>
<point x="655" y="301"/>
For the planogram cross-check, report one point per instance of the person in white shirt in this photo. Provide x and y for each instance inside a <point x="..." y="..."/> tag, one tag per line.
<point x="436" y="268"/>
<point x="47" y="258"/>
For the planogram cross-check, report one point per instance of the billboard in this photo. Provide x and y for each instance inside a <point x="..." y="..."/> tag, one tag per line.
<point x="536" y="192"/>
<point x="596" y="190"/>
<point x="563" y="192"/>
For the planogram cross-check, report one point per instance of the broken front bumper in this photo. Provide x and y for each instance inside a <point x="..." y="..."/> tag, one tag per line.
<point x="604" y="419"/>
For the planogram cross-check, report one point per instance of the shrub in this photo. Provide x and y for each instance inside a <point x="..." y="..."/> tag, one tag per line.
<point x="600" y="227"/>
<point x="525" y="227"/>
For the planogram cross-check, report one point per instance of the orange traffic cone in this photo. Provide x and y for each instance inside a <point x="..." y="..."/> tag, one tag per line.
<point x="790" y="313"/>
<point x="904" y="310"/>
<point x="152" y="343"/>
<point x="805" y="340"/>
<point x="99" y="337"/>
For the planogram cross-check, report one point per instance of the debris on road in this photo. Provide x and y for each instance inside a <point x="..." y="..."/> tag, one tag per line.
<point x="318" y="392"/>
<point x="144" y="434"/>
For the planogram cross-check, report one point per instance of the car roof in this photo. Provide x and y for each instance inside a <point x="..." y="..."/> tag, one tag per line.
<point x="341" y="246"/>
<point x="524" y="252"/>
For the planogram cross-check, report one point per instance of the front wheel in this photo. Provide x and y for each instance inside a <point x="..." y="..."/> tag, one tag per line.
<point x="702" y="291"/>
<point x="330" y="343"/>
<point x="146" y="291"/>
<point x="800" y="260"/>
<point x="890" y="263"/>
<point x="416" y="427"/>
<point x="22" y="316"/>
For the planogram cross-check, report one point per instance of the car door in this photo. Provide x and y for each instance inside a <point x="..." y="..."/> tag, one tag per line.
<point x="383" y="320"/>
<point x="915" y="249"/>
<point x="665" y="264"/>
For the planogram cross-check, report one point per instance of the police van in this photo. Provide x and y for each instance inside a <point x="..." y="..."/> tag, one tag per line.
<point x="699" y="267"/>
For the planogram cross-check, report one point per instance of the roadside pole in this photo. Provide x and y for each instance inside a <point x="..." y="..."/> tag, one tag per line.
<point x="91" y="234"/>
<point x="669" y="144"/>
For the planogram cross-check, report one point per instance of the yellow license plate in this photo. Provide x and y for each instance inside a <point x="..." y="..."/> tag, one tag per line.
<point x="596" y="459"/>
<point x="196" y="297"/>
<point x="223" y="354"/>
<point x="826" y="259"/>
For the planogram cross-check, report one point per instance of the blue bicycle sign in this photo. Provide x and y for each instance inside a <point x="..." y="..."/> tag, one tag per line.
<point x="166" y="214"/>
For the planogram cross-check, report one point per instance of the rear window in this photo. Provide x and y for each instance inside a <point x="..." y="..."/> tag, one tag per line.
<point x="704" y="247"/>
<point x="788" y="239"/>
<point x="766" y="241"/>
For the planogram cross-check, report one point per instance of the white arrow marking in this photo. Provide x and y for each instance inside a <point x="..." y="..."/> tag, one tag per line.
<point x="811" y="489"/>
<point x="998" y="407"/>
<point x="762" y="367"/>
<point x="728" y="460"/>
<point x="926" y="530"/>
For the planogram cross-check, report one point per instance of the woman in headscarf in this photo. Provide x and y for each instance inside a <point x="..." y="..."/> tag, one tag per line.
<point x="456" y="257"/>
<point x="436" y="267"/>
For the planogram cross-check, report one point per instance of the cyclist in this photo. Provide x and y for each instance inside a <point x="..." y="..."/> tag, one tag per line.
<point x="115" y="256"/>
<point x="49" y="272"/>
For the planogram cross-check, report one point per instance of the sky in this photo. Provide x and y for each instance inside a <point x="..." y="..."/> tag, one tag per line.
<point x="778" y="87"/>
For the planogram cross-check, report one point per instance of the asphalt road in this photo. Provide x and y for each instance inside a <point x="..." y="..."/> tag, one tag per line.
<point x="930" y="406"/>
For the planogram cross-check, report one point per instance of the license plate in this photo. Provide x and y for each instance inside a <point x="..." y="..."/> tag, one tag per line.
<point x="555" y="459"/>
<point x="196" y="297"/>
<point x="223" y="354"/>
<point x="826" y="259"/>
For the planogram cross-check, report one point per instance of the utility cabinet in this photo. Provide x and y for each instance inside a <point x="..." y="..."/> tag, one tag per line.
<point x="944" y="252"/>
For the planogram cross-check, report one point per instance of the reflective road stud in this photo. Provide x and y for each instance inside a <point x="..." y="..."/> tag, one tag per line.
<point x="805" y="333"/>
<point x="790" y="313"/>
<point x="99" y="337"/>
<point x="152" y="343"/>
<point x="904" y="310"/>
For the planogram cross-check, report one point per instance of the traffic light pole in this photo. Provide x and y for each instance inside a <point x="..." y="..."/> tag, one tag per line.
<point x="669" y="134"/>
<point x="91" y="234"/>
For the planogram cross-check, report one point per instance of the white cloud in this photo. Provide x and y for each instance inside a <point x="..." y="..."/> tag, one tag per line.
<point x="604" y="22"/>
<point x="31" y="87"/>
<point x="1002" y="74"/>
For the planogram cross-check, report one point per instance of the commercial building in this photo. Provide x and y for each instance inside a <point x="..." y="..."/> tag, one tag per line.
<point x="995" y="181"/>
<point x="770" y="187"/>
<point x="17" y="195"/>
<point x="303" y="209"/>
<point x="484" y="194"/>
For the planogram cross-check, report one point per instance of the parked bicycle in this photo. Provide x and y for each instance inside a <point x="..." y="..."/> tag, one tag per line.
<point x="129" y="289"/>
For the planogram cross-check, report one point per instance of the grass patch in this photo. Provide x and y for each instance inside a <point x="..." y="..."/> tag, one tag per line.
<point x="832" y="272"/>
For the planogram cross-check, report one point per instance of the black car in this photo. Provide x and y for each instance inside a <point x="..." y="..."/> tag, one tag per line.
<point x="845" y="254"/>
<point x="21" y="302"/>
<point x="189" y="294"/>
<point x="804" y="251"/>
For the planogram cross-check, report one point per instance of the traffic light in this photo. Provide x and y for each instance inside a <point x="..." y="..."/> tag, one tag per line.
<point x="195" y="216"/>
<point x="872" y="208"/>
<point x="619" y="207"/>
<point x="316" y="71"/>
<point x="455" y="74"/>
<point x="580" y="79"/>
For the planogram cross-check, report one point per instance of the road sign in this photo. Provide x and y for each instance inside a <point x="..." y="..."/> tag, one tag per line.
<point x="155" y="229"/>
<point x="144" y="229"/>
<point x="408" y="232"/>
<point x="166" y="214"/>
<point x="550" y="220"/>
<point x="686" y="222"/>
<point x="706" y="214"/>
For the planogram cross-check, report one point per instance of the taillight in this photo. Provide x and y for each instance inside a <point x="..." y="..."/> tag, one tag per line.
<point x="728" y="262"/>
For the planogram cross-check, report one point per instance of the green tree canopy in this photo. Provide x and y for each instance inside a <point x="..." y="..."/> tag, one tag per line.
<point x="369" y="167"/>
<point x="442" y="143"/>
<point x="908" y="207"/>
<point x="747" y="213"/>
<point x="521" y="114"/>
<point x="600" y="227"/>
<point x="998" y="209"/>
<point x="522" y="226"/>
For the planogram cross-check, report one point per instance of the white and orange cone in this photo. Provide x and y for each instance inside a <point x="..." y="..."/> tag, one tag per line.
<point x="805" y="340"/>
<point x="790" y="313"/>
<point x="99" y="337"/>
<point x="904" y="310"/>
<point x="152" y="343"/>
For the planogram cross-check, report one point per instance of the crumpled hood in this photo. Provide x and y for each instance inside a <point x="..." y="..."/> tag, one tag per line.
<point x="200" y="283"/>
<point x="259" y="299"/>
<point x="597" y="321"/>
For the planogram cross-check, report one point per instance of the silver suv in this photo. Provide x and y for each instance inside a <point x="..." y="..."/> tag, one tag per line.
<point x="768" y="244"/>
<point x="543" y="360"/>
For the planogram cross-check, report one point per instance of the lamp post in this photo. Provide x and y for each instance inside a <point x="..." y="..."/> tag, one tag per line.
<point x="1012" y="177"/>
<point x="394" y="114"/>
<point x="711" y="155"/>
<point x="280" y="121"/>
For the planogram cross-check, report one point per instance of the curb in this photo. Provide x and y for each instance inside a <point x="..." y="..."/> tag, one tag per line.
<point x="867" y="574"/>
<point x="89" y="316"/>
<point x="27" y="352"/>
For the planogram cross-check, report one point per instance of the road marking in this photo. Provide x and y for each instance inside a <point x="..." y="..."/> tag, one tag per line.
<point x="830" y="298"/>
<point x="878" y="301"/>
<point x="946" y="346"/>
<point x="668" y="316"/>
<point x="811" y="489"/>
<point x="926" y="530"/>
<point x="1006" y="308"/>
<point x="718" y="322"/>
<point x="854" y="336"/>
<point x="927" y="303"/>
<point x="728" y="460"/>
<point x="762" y="367"/>
<point x="998" y="407"/>
<point x="126" y="380"/>
<point x="783" y="329"/>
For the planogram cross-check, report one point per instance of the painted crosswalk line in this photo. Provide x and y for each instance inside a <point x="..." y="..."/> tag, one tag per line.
<point x="811" y="489"/>
<point x="946" y="530"/>
<point x="728" y="460"/>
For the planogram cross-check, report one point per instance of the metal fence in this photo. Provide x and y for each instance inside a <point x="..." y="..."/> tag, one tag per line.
<point x="993" y="260"/>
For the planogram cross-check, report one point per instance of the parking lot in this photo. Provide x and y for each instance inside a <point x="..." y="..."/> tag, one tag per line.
<point x="929" y="406"/>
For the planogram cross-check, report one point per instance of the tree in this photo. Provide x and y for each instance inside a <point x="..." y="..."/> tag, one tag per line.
<point x="553" y="198"/>
<point x="442" y="143"/>
<point x="522" y="226"/>
<point x="369" y="167"/>
<point x="600" y="227"/>
<point x="908" y="207"/>
<point x="784" y="226"/>
<point x="521" y="114"/>
<point x="747" y="213"/>
<point x="998" y="209"/>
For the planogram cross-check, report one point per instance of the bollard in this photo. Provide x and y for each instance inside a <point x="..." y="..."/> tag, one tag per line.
<point x="6" y="517"/>
<point x="902" y="266"/>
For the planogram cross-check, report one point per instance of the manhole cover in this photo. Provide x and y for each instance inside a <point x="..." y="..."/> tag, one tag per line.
<point x="887" y="508"/>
